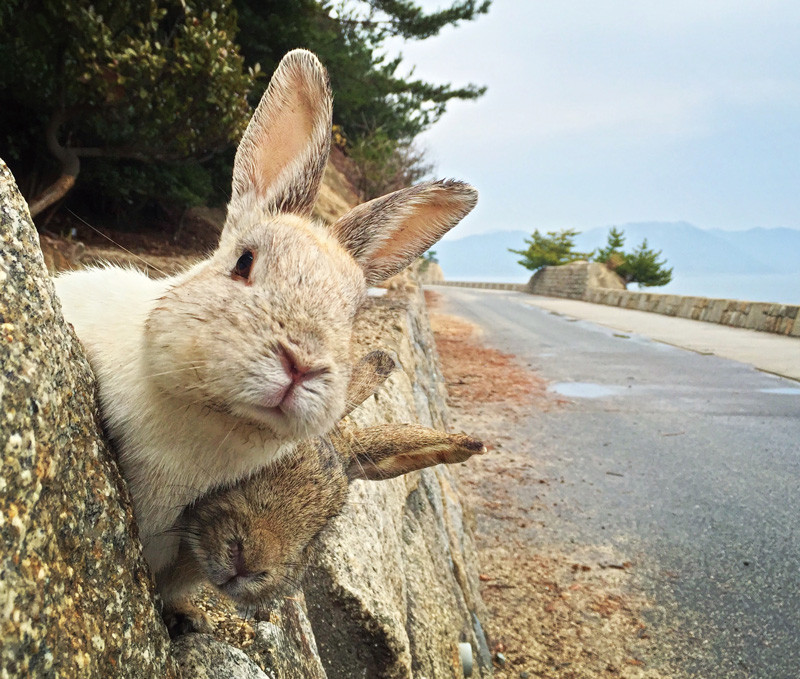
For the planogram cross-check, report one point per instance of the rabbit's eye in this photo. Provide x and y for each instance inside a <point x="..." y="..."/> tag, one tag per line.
<point x="243" y="266"/>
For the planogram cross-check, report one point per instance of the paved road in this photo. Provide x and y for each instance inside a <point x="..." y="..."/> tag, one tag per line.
<point x="688" y="463"/>
<point x="767" y="351"/>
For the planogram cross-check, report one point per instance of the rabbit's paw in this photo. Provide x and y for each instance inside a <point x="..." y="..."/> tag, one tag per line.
<point x="186" y="618"/>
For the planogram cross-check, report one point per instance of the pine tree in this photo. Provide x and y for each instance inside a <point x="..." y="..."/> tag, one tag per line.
<point x="551" y="249"/>
<point x="147" y="97"/>
<point x="379" y="109"/>
<point x="117" y="79"/>
<point x="612" y="254"/>
<point x="643" y="267"/>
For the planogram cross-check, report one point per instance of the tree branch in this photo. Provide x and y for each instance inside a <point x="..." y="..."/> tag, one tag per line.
<point x="70" y="165"/>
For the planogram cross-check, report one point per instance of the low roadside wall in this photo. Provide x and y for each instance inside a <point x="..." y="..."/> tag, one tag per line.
<point x="782" y="319"/>
<point x="520" y="287"/>
<point x="392" y="594"/>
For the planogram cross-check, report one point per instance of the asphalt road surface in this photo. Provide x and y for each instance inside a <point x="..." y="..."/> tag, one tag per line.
<point x="687" y="463"/>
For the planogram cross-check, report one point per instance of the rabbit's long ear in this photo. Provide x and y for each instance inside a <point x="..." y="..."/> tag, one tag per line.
<point x="282" y="155"/>
<point x="389" y="450"/>
<point x="388" y="233"/>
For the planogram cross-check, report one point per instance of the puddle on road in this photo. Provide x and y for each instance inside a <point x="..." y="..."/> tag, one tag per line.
<point x="586" y="389"/>
<point x="787" y="391"/>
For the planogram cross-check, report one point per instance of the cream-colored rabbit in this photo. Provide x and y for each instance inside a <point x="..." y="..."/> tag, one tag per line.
<point x="207" y="376"/>
<point x="253" y="541"/>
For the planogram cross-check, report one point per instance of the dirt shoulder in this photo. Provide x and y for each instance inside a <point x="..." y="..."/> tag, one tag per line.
<point x="561" y="611"/>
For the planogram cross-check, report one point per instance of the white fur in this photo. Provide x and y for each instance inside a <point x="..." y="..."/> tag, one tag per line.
<point x="170" y="451"/>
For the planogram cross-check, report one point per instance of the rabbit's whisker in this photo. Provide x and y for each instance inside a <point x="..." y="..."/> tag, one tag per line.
<point x="108" y="238"/>
<point x="177" y="370"/>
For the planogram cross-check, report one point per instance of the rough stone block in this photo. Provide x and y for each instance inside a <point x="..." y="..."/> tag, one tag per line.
<point x="77" y="595"/>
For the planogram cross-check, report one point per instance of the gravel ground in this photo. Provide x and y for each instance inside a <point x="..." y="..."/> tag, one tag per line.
<point x="556" y="610"/>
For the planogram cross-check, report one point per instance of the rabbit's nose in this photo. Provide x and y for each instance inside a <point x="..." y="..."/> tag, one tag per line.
<point x="296" y="370"/>
<point x="236" y="553"/>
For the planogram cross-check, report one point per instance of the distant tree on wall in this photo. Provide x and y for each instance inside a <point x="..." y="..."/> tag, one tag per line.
<point x="550" y="249"/>
<point x="426" y="260"/>
<point x="642" y="266"/>
<point x="430" y="256"/>
<point x="612" y="254"/>
<point x="554" y="248"/>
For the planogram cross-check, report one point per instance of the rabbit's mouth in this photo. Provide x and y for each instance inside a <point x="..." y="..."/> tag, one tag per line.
<point x="247" y="589"/>
<point x="290" y="418"/>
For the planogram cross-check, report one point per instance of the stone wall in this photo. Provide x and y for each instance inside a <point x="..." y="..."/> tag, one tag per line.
<point x="783" y="319"/>
<point x="393" y="594"/>
<point x="593" y="282"/>
<point x="573" y="280"/>
<point x="520" y="287"/>
<point x="77" y="600"/>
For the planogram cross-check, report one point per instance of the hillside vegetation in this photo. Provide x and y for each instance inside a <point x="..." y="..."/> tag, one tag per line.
<point x="128" y="111"/>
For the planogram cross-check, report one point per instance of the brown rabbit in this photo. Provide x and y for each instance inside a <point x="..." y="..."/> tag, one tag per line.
<point x="254" y="541"/>
<point x="207" y="376"/>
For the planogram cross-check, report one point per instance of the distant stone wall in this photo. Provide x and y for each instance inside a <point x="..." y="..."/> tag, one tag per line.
<point x="783" y="319"/>
<point x="593" y="282"/>
<point x="573" y="280"/>
<point x="520" y="287"/>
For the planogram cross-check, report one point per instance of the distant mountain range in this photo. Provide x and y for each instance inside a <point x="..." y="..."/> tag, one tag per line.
<point x="701" y="259"/>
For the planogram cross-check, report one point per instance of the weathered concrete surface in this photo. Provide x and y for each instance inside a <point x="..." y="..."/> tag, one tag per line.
<point x="203" y="657"/>
<point x="766" y="351"/>
<point x="75" y="594"/>
<point x="396" y="588"/>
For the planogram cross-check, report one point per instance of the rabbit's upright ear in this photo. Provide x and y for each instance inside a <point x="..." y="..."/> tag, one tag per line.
<point x="388" y="233"/>
<point x="282" y="155"/>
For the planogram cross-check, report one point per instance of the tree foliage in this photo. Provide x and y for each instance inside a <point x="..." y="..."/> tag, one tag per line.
<point x="640" y="266"/>
<point x="550" y="249"/>
<point x="427" y="259"/>
<point x="143" y="95"/>
<point x="153" y="80"/>
<point x="386" y="165"/>
<point x="612" y="255"/>
<point x="379" y="109"/>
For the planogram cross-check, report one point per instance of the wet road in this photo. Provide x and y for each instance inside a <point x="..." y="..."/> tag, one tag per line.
<point x="688" y="464"/>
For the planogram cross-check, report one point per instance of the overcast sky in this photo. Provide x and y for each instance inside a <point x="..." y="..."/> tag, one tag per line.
<point x="604" y="112"/>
